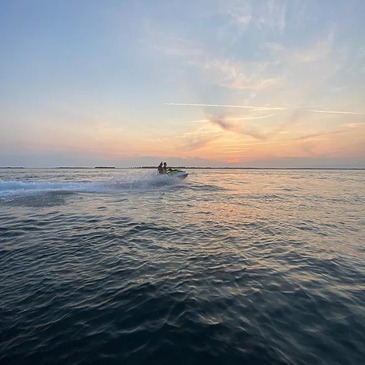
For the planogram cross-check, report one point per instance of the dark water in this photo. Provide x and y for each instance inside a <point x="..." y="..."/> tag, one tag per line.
<point x="225" y="267"/>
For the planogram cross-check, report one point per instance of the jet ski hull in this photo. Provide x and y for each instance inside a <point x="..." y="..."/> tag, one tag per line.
<point x="177" y="173"/>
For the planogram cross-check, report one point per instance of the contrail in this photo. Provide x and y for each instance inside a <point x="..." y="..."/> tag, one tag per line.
<point x="228" y="106"/>
<point x="263" y="108"/>
<point x="334" y="112"/>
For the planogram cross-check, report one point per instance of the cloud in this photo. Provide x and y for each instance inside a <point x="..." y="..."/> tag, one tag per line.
<point x="236" y="128"/>
<point x="196" y="140"/>
<point x="319" y="49"/>
<point x="263" y="16"/>
<point x="335" y="112"/>
<point x="271" y="16"/>
<point x="320" y="135"/>
<point x="223" y="124"/>
<point x="218" y="69"/>
<point x="296" y="113"/>
<point x="228" y="68"/>
<point x="227" y="106"/>
<point x="355" y="125"/>
<point x="239" y="75"/>
<point x="198" y="143"/>
<point x="256" y="117"/>
<point x="239" y="14"/>
<point x="180" y="48"/>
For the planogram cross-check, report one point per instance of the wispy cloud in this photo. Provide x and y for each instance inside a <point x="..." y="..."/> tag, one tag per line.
<point x="240" y="14"/>
<point x="221" y="122"/>
<point x="227" y="106"/>
<point x="238" y="75"/>
<point x="355" y="125"/>
<point x="263" y="108"/>
<point x="257" y="117"/>
<point x="196" y="140"/>
<point x="320" y="135"/>
<point x="313" y="51"/>
<point x="334" y="112"/>
<point x="236" y="128"/>
<point x="220" y="69"/>
<point x="197" y="143"/>
<point x="268" y="15"/>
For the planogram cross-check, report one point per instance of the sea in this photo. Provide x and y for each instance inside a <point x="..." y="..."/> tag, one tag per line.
<point x="227" y="266"/>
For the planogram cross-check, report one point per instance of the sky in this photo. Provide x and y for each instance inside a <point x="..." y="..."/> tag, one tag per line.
<point x="231" y="83"/>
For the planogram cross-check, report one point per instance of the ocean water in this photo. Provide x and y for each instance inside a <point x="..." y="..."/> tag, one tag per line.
<point x="225" y="267"/>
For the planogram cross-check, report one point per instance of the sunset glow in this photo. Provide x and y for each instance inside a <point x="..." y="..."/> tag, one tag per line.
<point x="196" y="83"/>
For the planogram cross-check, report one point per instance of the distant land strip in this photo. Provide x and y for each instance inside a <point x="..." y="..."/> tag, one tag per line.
<point x="12" y="167"/>
<point x="183" y="167"/>
<point x="253" y="168"/>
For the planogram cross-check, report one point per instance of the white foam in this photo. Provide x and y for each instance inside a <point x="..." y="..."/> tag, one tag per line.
<point x="24" y="187"/>
<point x="117" y="184"/>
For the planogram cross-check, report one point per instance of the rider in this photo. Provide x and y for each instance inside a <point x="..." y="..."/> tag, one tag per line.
<point x="160" y="168"/>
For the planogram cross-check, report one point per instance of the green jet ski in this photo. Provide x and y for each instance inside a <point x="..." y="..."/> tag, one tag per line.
<point x="177" y="173"/>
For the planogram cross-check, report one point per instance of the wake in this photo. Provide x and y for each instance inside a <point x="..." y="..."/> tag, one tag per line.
<point x="115" y="185"/>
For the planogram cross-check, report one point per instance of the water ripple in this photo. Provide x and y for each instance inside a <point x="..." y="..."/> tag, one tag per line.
<point x="213" y="270"/>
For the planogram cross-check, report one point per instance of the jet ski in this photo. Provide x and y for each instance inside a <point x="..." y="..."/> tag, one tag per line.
<point x="177" y="173"/>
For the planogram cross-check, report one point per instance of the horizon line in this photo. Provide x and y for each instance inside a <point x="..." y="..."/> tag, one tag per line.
<point x="185" y="167"/>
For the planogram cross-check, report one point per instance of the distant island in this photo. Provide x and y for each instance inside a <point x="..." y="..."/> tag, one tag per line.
<point x="253" y="168"/>
<point x="183" y="167"/>
<point x="84" y="167"/>
<point x="11" y="167"/>
<point x="71" y="167"/>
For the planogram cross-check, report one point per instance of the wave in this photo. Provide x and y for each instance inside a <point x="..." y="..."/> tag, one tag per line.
<point x="26" y="187"/>
<point x="9" y="188"/>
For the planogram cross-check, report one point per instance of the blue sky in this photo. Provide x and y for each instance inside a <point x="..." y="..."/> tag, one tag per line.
<point x="197" y="83"/>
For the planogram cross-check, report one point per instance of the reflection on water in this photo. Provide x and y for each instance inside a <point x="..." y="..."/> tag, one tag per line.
<point x="227" y="266"/>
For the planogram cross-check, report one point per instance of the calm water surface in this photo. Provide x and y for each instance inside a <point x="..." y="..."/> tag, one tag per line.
<point x="224" y="267"/>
